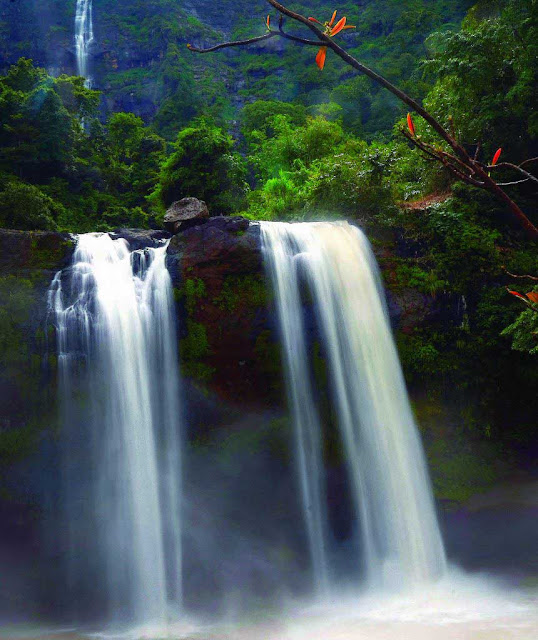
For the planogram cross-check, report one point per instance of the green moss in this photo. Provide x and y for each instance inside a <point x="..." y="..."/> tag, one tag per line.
<point x="192" y="290"/>
<point x="246" y="290"/>
<point x="48" y="252"/>
<point x="16" y="444"/>
<point x="457" y="475"/>
<point x="17" y="300"/>
<point x="268" y="355"/>
<point x="193" y="349"/>
<point x="272" y="436"/>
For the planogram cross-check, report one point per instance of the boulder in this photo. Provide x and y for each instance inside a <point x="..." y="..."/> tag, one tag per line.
<point x="185" y="213"/>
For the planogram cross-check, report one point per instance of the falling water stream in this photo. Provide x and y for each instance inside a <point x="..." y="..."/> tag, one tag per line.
<point x="399" y="541"/>
<point x="83" y="37"/>
<point x="120" y="391"/>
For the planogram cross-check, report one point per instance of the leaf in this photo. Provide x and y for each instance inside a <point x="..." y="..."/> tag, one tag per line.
<point x="410" y="124"/>
<point x="339" y="26"/>
<point x="320" y="58"/>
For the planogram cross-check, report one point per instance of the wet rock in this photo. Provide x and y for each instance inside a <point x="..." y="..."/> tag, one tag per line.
<point x="141" y="238"/>
<point x="185" y="213"/>
<point x="229" y="346"/>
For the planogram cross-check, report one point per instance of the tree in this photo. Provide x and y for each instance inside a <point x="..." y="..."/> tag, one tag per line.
<point x="447" y="149"/>
<point x="203" y="165"/>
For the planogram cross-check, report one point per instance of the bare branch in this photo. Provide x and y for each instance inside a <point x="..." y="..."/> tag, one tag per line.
<point x="511" y="184"/>
<point x="235" y="43"/>
<point x="513" y="275"/>
<point x="515" y="167"/>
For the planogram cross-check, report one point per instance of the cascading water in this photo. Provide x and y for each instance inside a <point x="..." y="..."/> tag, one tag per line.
<point x="400" y="541"/>
<point x="83" y="37"/>
<point x="120" y="390"/>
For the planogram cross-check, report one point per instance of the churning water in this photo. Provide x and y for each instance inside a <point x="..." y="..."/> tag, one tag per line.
<point x="399" y="542"/>
<point x="83" y="37"/>
<point x="120" y="390"/>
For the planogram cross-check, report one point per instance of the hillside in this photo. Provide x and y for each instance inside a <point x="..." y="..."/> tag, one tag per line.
<point x="140" y="61"/>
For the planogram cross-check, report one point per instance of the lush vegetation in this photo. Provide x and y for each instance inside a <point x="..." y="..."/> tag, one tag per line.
<point x="299" y="144"/>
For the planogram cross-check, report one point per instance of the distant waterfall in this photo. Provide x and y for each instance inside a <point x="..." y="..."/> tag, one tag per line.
<point x="83" y="37"/>
<point x="120" y="388"/>
<point x="399" y="536"/>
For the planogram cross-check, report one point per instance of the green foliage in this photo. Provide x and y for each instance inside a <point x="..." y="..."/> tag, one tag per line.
<point x="424" y="280"/>
<point x="316" y="169"/>
<point x="25" y="206"/>
<point x="488" y="79"/>
<point x="524" y="330"/>
<point x="203" y="165"/>
<point x="258" y="118"/>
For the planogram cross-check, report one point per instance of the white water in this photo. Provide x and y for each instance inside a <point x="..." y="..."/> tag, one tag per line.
<point x="398" y="535"/>
<point x="83" y="37"/>
<point x="119" y="382"/>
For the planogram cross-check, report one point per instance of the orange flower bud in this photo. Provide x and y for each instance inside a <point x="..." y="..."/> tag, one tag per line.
<point x="496" y="157"/>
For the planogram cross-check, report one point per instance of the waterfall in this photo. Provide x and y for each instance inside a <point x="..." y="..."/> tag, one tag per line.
<point x="398" y="535"/>
<point x="83" y="37"/>
<point x="120" y="392"/>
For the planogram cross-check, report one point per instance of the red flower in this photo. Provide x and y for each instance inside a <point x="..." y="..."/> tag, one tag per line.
<point x="517" y="295"/>
<point x="533" y="296"/>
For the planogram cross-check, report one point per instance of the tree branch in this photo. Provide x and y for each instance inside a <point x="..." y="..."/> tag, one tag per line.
<point x="234" y="43"/>
<point x="516" y="167"/>
<point x="513" y="275"/>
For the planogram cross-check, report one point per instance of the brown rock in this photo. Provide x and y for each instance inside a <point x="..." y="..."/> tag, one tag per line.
<point x="185" y="213"/>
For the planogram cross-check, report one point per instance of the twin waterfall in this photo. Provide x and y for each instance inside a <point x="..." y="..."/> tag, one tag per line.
<point x="83" y="37"/>
<point x="122" y="433"/>
<point x="120" y="389"/>
<point x="399" y="540"/>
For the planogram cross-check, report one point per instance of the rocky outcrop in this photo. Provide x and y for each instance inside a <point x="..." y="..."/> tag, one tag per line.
<point x="228" y="343"/>
<point x="185" y="213"/>
<point x="34" y="250"/>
